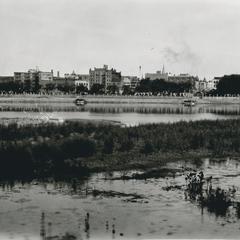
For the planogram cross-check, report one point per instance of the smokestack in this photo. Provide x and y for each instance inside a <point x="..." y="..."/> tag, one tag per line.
<point x="52" y="72"/>
<point x="58" y="74"/>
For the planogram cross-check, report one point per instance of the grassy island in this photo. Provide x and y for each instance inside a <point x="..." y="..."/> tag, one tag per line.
<point x="76" y="149"/>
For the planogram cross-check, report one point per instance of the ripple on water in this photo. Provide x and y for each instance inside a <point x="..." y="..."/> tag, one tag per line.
<point x="166" y="214"/>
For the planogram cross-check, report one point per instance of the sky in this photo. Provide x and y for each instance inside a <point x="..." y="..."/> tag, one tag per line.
<point x="200" y="37"/>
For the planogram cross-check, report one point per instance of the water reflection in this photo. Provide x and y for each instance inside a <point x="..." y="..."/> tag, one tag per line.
<point x="99" y="208"/>
<point x="126" y="114"/>
<point x="223" y="109"/>
<point x="217" y="201"/>
<point x="47" y="234"/>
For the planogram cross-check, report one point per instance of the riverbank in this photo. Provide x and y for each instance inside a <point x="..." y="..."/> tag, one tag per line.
<point x="69" y="99"/>
<point x="78" y="148"/>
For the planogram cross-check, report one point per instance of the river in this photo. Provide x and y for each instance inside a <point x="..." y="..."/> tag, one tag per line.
<point x="126" y="114"/>
<point x="134" y="209"/>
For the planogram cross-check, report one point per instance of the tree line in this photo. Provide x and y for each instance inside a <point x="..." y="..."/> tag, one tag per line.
<point x="145" y="85"/>
<point x="228" y="84"/>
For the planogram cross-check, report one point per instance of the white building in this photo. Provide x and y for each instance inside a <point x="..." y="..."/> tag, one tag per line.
<point x="82" y="82"/>
<point x="182" y="78"/>
<point x="131" y="81"/>
<point x="45" y="76"/>
<point x="206" y="85"/>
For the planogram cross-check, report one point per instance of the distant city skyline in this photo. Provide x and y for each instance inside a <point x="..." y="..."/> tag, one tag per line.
<point x="199" y="37"/>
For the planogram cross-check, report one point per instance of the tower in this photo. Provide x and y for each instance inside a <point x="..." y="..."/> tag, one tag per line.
<point x="140" y="73"/>
<point x="163" y="70"/>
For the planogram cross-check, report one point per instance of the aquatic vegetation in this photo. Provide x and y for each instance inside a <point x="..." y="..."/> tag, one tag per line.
<point x="216" y="201"/>
<point x="75" y="148"/>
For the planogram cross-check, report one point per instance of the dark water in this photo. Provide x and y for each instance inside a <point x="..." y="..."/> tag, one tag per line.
<point x="128" y="114"/>
<point x="102" y="208"/>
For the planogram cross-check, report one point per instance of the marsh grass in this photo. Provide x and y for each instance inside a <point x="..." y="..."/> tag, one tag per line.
<point x="76" y="149"/>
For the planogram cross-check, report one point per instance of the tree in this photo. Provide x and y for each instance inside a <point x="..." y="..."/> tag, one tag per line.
<point x="127" y="90"/>
<point x="160" y="85"/>
<point x="97" y="89"/>
<point x="112" y="89"/>
<point x="144" y="86"/>
<point x="27" y="85"/>
<point x="50" y="87"/>
<point x="81" y="88"/>
<point x="66" y="88"/>
<point x="12" y="86"/>
<point x="229" y="85"/>
<point x="36" y="85"/>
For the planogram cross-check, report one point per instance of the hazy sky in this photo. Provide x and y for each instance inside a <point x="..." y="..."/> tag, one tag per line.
<point x="201" y="37"/>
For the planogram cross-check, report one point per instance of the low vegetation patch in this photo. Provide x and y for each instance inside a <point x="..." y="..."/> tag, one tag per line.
<point x="76" y="148"/>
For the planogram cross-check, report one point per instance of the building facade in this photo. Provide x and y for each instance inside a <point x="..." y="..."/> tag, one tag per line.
<point x="72" y="76"/>
<point x="207" y="85"/>
<point x="82" y="82"/>
<point x="104" y="76"/>
<point x="157" y="76"/>
<point x="6" y="79"/>
<point x="182" y="78"/>
<point x="21" y="76"/>
<point x="34" y="78"/>
<point x="130" y="81"/>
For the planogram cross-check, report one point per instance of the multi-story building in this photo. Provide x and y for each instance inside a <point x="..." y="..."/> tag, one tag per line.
<point x="126" y="81"/>
<point x="182" y="78"/>
<point x="201" y="85"/>
<point x="82" y="82"/>
<point x="6" y="79"/>
<point x="168" y="77"/>
<point x="76" y="79"/>
<point x="206" y="85"/>
<point x="34" y="77"/>
<point x="72" y="76"/>
<point x="215" y="82"/>
<point x="105" y="76"/>
<point x="157" y="75"/>
<point x="83" y="79"/>
<point x="45" y="78"/>
<point x="21" y="76"/>
<point x="131" y="81"/>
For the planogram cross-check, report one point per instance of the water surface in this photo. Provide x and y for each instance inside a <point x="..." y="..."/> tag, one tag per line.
<point x="40" y="210"/>
<point x="127" y="114"/>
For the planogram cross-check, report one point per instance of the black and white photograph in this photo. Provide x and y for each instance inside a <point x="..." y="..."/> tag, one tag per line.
<point x="119" y="119"/>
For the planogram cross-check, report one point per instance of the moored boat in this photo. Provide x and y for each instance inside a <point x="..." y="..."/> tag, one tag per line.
<point x="80" y="101"/>
<point x="189" y="102"/>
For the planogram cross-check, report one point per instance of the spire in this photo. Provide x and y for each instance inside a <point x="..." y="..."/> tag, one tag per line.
<point x="163" y="70"/>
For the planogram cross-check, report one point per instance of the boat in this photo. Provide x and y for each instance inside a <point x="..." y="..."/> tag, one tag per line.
<point x="189" y="102"/>
<point x="80" y="101"/>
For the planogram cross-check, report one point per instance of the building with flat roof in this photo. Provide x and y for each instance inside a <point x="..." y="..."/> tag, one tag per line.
<point x="131" y="81"/>
<point x="6" y="79"/>
<point x="34" y="77"/>
<point x="182" y="78"/>
<point x="207" y="85"/>
<point x="157" y="75"/>
<point x="82" y="82"/>
<point x="104" y="76"/>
